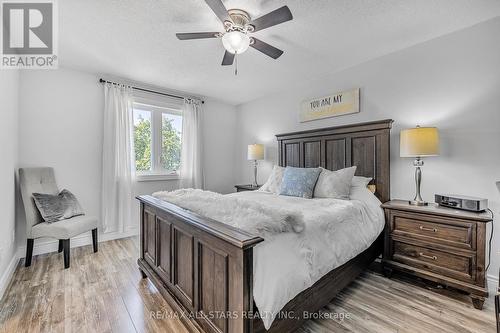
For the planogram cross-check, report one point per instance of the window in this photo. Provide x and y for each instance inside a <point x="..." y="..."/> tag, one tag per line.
<point x="157" y="140"/>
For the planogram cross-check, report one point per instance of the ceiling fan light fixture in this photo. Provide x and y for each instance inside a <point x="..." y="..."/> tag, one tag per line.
<point x="238" y="27"/>
<point x="236" y="42"/>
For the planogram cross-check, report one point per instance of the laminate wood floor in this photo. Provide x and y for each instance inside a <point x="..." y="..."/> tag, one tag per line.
<point x="104" y="292"/>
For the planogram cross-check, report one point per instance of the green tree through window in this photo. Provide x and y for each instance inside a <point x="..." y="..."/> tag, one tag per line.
<point x="142" y="145"/>
<point x="171" y="145"/>
<point x="157" y="132"/>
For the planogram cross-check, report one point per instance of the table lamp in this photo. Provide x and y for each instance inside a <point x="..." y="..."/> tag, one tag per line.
<point x="419" y="142"/>
<point x="255" y="153"/>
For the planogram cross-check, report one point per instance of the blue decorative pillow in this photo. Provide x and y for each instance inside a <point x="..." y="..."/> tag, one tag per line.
<point x="299" y="182"/>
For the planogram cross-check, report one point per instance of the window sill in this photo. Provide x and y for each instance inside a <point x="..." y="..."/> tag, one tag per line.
<point x="156" y="177"/>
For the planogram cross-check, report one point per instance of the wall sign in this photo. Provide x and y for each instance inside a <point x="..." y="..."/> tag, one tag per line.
<point x="338" y="104"/>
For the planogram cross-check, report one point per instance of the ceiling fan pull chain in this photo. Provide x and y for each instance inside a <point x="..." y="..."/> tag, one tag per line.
<point x="236" y="64"/>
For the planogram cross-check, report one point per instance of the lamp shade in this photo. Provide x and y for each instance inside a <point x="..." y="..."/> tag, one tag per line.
<point x="419" y="142"/>
<point x="255" y="152"/>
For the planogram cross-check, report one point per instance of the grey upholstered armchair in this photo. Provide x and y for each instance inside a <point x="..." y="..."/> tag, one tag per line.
<point x="42" y="180"/>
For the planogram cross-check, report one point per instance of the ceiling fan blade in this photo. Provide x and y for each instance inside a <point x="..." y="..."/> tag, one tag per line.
<point x="196" y="35"/>
<point x="275" y="17"/>
<point x="219" y="9"/>
<point x="267" y="49"/>
<point x="228" y="59"/>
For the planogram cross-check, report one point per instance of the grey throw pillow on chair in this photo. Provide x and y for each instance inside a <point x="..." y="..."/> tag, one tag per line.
<point x="57" y="207"/>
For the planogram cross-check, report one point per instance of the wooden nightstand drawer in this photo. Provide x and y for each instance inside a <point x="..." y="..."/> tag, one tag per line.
<point x="448" y="264"/>
<point x="444" y="245"/>
<point x="441" y="230"/>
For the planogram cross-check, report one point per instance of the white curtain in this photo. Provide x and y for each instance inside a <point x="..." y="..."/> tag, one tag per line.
<point x="117" y="155"/>
<point x="191" y="154"/>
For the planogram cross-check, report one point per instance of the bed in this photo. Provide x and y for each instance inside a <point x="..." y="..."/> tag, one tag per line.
<point x="205" y="268"/>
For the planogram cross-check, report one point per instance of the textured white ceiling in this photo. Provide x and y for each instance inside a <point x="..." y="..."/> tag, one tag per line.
<point x="136" y="39"/>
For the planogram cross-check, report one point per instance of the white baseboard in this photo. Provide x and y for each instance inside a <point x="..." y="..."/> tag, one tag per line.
<point x="8" y="274"/>
<point x="51" y="245"/>
<point x="492" y="284"/>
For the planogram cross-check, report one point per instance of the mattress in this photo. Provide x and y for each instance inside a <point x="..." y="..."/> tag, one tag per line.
<point x="336" y="231"/>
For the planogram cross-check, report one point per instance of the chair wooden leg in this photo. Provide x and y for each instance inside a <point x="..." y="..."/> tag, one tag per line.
<point x="29" y="252"/>
<point x="66" y="252"/>
<point x="94" y="239"/>
<point x="497" y="311"/>
<point x="59" y="250"/>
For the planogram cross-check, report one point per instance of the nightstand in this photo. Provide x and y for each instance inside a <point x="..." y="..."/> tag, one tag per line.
<point x="248" y="187"/>
<point x="440" y="244"/>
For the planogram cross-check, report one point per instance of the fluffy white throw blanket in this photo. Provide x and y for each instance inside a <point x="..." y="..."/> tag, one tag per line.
<point x="256" y="218"/>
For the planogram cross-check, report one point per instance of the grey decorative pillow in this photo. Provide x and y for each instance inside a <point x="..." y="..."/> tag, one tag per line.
<point x="57" y="207"/>
<point x="334" y="184"/>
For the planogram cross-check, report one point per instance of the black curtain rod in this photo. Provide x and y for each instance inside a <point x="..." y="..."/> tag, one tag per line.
<point x="149" y="91"/>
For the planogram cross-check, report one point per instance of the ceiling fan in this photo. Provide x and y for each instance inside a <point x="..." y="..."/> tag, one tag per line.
<point x="237" y="26"/>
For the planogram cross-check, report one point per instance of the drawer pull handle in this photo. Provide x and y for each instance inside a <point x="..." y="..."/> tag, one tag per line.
<point x="428" y="257"/>
<point x="428" y="229"/>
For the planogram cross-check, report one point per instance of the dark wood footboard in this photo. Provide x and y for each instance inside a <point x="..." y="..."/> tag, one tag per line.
<point x="203" y="267"/>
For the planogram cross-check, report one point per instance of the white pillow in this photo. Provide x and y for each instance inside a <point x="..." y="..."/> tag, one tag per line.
<point x="360" y="181"/>
<point x="273" y="183"/>
<point x="334" y="184"/>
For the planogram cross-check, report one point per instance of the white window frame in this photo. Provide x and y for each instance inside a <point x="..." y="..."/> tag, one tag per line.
<point x="157" y="109"/>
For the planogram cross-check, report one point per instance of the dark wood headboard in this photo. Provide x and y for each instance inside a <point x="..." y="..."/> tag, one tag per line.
<point x="366" y="145"/>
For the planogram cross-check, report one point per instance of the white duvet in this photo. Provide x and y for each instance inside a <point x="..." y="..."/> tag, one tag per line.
<point x="258" y="218"/>
<point x="335" y="232"/>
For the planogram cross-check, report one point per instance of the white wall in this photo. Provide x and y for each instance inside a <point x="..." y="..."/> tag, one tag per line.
<point x="61" y="126"/>
<point x="219" y="135"/>
<point x="9" y="81"/>
<point x="452" y="82"/>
